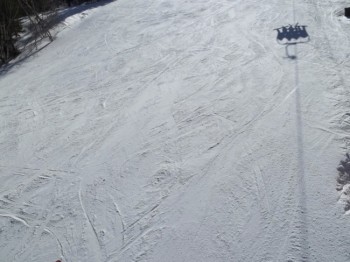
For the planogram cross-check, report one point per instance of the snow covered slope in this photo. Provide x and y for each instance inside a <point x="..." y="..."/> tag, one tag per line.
<point x="178" y="131"/>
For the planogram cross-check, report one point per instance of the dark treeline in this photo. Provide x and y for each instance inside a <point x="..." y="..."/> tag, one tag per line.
<point x="41" y="15"/>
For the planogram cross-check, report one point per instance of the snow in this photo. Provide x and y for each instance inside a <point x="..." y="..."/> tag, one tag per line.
<point x="178" y="131"/>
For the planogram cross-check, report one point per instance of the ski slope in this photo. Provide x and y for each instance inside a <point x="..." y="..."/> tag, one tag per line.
<point x="178" y="131"/>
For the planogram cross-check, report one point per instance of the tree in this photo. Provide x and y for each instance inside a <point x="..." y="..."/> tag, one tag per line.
<point x="40" y="13"/>
<point x="9" y="29"/>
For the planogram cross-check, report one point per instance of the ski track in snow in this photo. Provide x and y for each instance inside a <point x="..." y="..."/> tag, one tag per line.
<point x="178" y="131"/>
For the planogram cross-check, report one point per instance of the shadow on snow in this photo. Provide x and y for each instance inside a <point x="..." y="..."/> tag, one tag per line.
<point x="292" y="35"/>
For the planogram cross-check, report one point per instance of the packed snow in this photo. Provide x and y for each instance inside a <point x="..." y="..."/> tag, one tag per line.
<point x="176" y="131"/>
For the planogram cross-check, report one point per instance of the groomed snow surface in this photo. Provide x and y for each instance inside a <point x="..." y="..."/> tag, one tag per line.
<point x="178" y="131"/>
